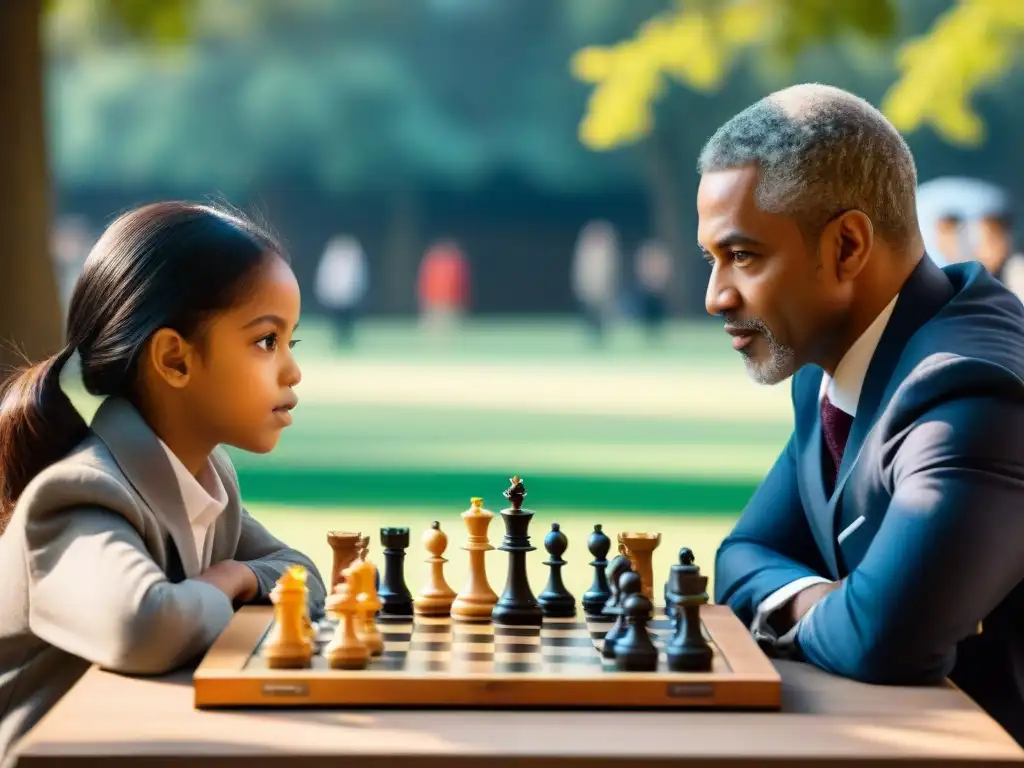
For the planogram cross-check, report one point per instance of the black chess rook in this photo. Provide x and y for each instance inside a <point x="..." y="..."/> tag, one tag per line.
<point x="517" y="606"/>
<point x="600" y="592"/>
<point x="556" y="600"/>
<point x="687" y="650"/>
<point x="395" y="597"/>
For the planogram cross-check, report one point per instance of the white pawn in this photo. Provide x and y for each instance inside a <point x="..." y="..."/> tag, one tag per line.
<point x="436" y="597"/>
<point x="346" y="650"/>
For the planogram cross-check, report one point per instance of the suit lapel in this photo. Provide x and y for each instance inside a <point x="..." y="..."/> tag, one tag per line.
<point x="137" y="451"/>
<point x="925" y="292"/>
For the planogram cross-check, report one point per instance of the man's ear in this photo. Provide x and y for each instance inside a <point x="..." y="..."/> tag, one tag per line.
<point x="852" y="237"/>
<point x="170" y="357"/>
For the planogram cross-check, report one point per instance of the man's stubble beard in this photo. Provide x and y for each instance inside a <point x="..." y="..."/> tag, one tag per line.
<point x="780" y="362"/>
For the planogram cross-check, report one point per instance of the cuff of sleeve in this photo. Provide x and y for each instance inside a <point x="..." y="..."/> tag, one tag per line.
<point x="266" y="578"/>
<point x="760" y="628"/>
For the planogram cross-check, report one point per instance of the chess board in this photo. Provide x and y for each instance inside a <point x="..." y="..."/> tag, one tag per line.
<point x="437" y="662"/>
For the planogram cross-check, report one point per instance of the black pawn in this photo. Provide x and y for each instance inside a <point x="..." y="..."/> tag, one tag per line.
<point x="688" y="651"/>
<point x="685" y="558"/>
<point x="635" y="650"/>
<point x="618" y="566"/>
<point x="395" y="597"/>
<point x="556" y="600"/>
<point x="517" y="606"/>
<point x="629" y="583"/>
<point x="594" y="599"/>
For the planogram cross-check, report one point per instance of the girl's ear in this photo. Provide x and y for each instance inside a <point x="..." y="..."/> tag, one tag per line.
<point x="170" y="357"/>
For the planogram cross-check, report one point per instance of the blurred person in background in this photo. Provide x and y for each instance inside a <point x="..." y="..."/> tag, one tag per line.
<point x="342" y="281"/>
<point x="595" y="275"/>
<point x="966" y="219"/>
<point x="71" y="244"/>
<point x="443" y="286"/>
<point x="653" y="266"/>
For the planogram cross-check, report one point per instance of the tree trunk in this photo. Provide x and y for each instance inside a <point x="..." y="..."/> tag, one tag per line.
<point x="402" y="253"/>
<point x="30" y="313"/>
<point x="667" y="210"/>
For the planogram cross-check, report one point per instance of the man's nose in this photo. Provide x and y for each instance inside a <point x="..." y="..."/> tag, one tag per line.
<point x="721" y="295"/>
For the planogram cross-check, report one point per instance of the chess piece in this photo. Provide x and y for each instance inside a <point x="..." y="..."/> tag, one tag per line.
<point x="687" y="650"/>
<point x="517" y="606"/>
<point x="345" y="547"/>
<point x="639" y="548"/>
<point x="685" y="558"/>
<point x="618" y="566"/>
<point x="556" y="600"/>
<point x="364" y="573"/>
<point x="436" y="597"/>
<point x="288" y="645"/>
<point x="477" y="599"/>
<point x="635" y="650"/>
<point x="595" y="598"/>
<point x="346" y="650"/>
<point x="629" y="583"/>
<point x="395" y="597"/>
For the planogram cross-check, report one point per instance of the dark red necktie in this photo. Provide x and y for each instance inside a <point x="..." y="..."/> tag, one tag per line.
<point x="835" y="425"/>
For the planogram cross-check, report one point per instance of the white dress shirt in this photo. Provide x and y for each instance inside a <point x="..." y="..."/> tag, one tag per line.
<point x="844" y="392"/>
<point x="205" y="499"/>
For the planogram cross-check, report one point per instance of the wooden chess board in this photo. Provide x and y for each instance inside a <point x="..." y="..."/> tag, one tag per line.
<point x="438" y="662"/>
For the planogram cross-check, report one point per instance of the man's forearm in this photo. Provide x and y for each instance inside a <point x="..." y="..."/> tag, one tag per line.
<point x="788" y="615"/>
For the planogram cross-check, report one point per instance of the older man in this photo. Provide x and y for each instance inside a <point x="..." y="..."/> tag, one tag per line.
<point x="887" y="542"/>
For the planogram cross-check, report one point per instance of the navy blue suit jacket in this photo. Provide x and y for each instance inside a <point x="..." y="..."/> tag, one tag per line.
<point x="935" y="466"/>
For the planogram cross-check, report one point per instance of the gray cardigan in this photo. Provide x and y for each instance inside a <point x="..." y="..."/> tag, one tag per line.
<point x="93" y="564"/>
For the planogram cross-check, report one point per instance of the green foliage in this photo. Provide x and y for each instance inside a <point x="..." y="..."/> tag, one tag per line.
<point x="970" y="46"/>
<point x="349" y="95"/>
<point x="696" y="43"/>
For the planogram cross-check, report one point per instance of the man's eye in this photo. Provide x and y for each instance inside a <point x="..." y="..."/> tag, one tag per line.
<point x="742" y="256"/>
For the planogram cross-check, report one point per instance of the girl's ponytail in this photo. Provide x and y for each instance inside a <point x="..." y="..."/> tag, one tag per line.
<point x="38" y="426"/>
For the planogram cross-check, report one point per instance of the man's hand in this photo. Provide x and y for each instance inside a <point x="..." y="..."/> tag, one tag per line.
<point x="234" y="579"/>
<point x="788" y="615"/>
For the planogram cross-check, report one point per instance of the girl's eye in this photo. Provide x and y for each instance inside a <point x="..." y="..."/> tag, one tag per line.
<point x="293" y="342"/>
<point x="268" y="343"/>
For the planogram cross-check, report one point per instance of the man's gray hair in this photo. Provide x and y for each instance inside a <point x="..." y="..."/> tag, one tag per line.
<point x="822" y="151"/>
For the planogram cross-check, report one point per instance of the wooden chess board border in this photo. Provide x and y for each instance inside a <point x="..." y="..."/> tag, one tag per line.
<point x="223" y="679"/>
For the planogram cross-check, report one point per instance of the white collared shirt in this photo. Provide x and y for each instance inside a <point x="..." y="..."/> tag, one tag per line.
<point x="844" y="391"/>
<point x="205" y="498"/>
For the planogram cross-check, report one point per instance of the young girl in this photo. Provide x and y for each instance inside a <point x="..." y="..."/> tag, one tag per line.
<point x="124" y="542"/>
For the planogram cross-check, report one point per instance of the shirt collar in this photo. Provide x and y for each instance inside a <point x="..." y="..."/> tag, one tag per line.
<point x="201" y="495"/>
<point x="844" y="388"/>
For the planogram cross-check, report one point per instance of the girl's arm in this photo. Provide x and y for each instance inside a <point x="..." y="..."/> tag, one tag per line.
<point x="264" y="553"/>
<point x="95" y="592"/>
<point x="269" y="558"/>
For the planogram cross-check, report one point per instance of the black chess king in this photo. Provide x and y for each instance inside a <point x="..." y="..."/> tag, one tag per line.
<point x="517" y="606"/>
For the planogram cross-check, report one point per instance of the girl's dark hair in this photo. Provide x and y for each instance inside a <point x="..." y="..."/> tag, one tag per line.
<point x="164" y="265"/>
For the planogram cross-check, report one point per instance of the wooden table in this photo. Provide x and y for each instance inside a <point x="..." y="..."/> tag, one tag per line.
<point x="108" y="720"/>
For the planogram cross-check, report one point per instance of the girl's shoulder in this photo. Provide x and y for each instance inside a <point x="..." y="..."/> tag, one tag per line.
<point x="88" y="476"/>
